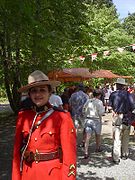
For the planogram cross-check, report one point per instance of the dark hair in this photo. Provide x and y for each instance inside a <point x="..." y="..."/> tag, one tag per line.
<point x="120" y="86"/>
<point x="81" y="87"/>
<point x="49" y="88"/>
<point x="96" y="92"/>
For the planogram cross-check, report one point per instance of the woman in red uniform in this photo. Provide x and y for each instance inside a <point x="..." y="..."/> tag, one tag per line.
<point x="45" y="138"/>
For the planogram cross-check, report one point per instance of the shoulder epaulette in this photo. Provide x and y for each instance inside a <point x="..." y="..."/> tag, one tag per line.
<point x="58" y="109"/>
<point x="25" y="108"/>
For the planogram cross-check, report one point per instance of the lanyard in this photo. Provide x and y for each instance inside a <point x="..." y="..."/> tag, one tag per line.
<point x="31" y="130"/>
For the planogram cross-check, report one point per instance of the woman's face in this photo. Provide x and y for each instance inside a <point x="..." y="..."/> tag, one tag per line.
<point x="39" y="95"/>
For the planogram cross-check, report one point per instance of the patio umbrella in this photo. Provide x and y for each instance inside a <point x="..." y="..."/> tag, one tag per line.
<point x="127" y="77"/>
<point x="66" y="76"/>
<point x="81" y="74"/>
<point x="102" y="73"/>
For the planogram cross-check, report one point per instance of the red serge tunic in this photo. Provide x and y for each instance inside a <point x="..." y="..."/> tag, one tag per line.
<point x="55" y="131"/>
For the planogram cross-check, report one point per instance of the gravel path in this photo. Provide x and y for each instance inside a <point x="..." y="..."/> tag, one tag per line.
<point x="98" y="167"/>
<point x="5" y="107"/>
<point x="7" y="129"/>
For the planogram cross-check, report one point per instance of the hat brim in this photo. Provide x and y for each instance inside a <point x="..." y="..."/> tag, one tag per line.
<point x="40" y="83"/>
<point x="121" y="83"/>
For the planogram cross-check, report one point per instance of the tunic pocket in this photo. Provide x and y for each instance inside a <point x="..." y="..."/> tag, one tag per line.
<point x="49" y="133"/>
<point x="55" y="170"/>
<point x="49" y="137"/>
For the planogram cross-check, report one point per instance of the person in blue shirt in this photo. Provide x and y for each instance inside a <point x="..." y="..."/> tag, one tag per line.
<point x="122" y="104"/>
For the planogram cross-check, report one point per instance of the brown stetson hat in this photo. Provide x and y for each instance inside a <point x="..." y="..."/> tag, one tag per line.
<point x="38" y="78"/>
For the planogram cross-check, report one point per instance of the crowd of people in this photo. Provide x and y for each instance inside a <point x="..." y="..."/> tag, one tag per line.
<point x="87" y="105"/>
<point x="47" y="125"/>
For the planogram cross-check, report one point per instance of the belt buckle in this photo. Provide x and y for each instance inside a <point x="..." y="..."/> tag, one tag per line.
<point x="36" y="157"/>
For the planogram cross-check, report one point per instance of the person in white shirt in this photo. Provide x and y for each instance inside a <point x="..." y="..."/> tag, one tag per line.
<point x="55" y="100"/>
<point x="93" y="110"/>
<point x="107" y="92"/>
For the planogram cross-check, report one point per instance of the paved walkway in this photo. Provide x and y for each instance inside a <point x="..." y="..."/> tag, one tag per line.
<point x="98" y="167"/>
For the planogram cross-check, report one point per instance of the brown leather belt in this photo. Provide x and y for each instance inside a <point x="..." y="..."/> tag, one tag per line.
<point x="30" y="157"/>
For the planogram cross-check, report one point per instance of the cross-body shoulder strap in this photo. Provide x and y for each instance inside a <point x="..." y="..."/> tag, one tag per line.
<point x="32" y="129"/>
<point x="42" y="119"/>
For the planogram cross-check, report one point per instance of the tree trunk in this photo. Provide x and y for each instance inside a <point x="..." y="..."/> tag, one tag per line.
<point x="11" y="75"/>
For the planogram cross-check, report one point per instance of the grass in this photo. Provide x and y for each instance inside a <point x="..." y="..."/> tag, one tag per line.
<point x="3" y="100"/>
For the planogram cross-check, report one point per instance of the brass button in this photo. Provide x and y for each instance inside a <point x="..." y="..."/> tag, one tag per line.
<point x="72" y="130"/>
<point x="35" y="139"/>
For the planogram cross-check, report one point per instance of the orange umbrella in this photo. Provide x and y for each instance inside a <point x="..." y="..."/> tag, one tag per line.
<point x="63" y="76"/>
<point x="127" y="77"/>
<point x="81" y="74"/>
<point x="102" y="73"/>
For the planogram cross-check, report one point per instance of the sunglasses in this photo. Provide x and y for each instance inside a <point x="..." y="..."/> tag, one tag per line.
<point x="38" y="90"/>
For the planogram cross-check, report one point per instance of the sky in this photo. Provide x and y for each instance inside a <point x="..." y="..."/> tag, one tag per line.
<point x="124" y="6"/>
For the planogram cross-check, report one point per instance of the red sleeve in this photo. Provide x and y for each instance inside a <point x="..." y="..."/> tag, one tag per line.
<point x="16" y="175"/>
<point x="68" y="143"/>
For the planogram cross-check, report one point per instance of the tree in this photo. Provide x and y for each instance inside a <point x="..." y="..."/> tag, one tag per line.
<point x="35" y="35"/>
<point x="100" y="3"/>
<point x="129" y="24"/>
<point x="49" y="35"/>
<point x="103" y="31"/>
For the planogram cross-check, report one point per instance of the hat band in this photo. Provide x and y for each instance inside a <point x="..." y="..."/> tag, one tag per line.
<point x="38" y="82"/>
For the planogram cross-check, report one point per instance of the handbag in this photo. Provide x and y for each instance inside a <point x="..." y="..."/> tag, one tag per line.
<point x="129" y="118"/>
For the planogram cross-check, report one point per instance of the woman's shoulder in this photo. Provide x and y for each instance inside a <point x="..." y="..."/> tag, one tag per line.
<point x="61" y="113"/>
<point x="26" y="112"/>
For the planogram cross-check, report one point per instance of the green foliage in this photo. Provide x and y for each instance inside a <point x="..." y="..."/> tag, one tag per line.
<point x="129" y="24"/>
<point x="49" y="35"/>
<point x="36" y="35"/>
<point x="103" y="31"/>
<point x="100" y="3"/>
<point x="46" y="28"/>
